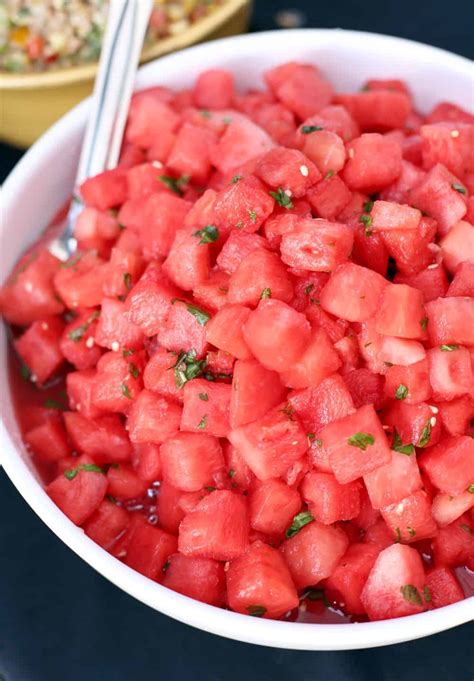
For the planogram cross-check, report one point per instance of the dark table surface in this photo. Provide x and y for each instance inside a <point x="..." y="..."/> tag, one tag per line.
<point x="61" y="621"/>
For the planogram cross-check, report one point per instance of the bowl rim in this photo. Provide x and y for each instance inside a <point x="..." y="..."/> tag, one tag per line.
<point x="79" y="73"/>
<point x="279" y="634"/>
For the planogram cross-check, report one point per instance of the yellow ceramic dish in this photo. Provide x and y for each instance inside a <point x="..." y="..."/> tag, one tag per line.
<point x="31" y="102"/>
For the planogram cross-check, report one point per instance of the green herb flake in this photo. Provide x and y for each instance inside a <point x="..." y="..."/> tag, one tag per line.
<point x="89" y="467"/>
<point x="54" y="404"/>
<point x="235" y="179"/>
<point x="266" y="293"/>
<point x="411" y="531"/>
<point x="127" y="280"/>
<point x="210" y="488"/>
<point x="470" y="489"/>
<point x="201" y="316"/>
<point x="288" y="411"/>
<point x="398" y="535"/>
<point x="256" y="610"/>
<point x="308" y="129"/>
<point x="411" y="594"/>
<point x="239" y="224"/>
<point x="368" y="205"/>
<point x="466" y="528"/>
<point x="299" y="521"/>
<point x="427" y="594"/>
<point x="72" y="262"/>
<point x="424" y="323"/>
<point x="231" y="473"/>
<point x="202" y="423"/>
<point x="207" y="235"/>
<point x="448" y="348"/>
<point x="361" y="440"/>
<point x="311" y="436"/>
<point x="282" y="198"/>
<point x="134" y="370"/>
<point x="366" y="220"/>
<point x="204" y="397"/>
<point x="308" y="289"/>
<point x="253" y="216"/>
<point x="315" y="595"/>
<point x="25" y="372"/>
<point x="398" y="446"/>
<point x="329" y="174"/>
<point x="79" y="332"/>
<point x="126" y="391"/>
<point x="187" y="367"/>
<point x="425" y="435"/>
<point x="401" y="392"/>
<point x="459" y="188"/>
<point x="173" y="183"/>
<point x="111" y="498"/>
<point x="205" y="113"/>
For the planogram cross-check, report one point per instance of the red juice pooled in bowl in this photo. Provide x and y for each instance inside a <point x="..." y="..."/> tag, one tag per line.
<point x="253" y="381"/>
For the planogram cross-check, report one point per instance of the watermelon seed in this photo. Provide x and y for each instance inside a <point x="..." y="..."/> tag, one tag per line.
<point x="454" y="133"/>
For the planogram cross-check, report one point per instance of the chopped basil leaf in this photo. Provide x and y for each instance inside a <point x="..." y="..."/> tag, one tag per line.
<point x="470" y="489"/>
<point x="310" y="436"/>
<point x="448" y="348"/>
<point x="72" y="262"/>
<point x="398" y="535"/>
<point x="187" y="367"/>
<point x="282" y="198"/>
<point x="361" y="440"/>
<point x="126" y="391"/>
<point x="397" y="445"/>
<point x="466" y="528"/>
<point x="207" y="234"/>
<point x="202" y="422"/>
<point x="231" y="473"/>
<point x="226" y="120"/>
<point x="210" y="488"/>
<point x="401" y="392"/>
<point x="201" y="316"/>
<point x="411" y="594"/>
<point x="235" y="179"/>
<point x="299" y="521"/>
<point x="90" y="467"/>
<point x="315" y="595"/>
<point x="134" y="370"/>
<point x="256" y="610"/>
<point x="110" y="498"/>
<point x="204" y="397"/>
<point x="308" y="289"/>
<point x="205" y="113"/>
<point x="459" y="188"/>
<point x="78" y="333"/>
<point x="54" y="404"/>
<point x="424" y="323"/>
<point x="239" y="224"/>
<point x="427" y="594"/>
<point x="411" y="531"/>
<point x="367" y="222"/>
<point x="425" y="435"/>
<point x="253" y="216"/>
<point x="127" y="353"/>
<point x="329" y="174"/>
<point x="368" y="205"/>
<point x="174" y="183"/>
<point x="127" y="280"/>
<point x="25" y="372"/>
<point x="307" y="129"/>
<point x="288" y="411"/>
<point x="266" y="293"/>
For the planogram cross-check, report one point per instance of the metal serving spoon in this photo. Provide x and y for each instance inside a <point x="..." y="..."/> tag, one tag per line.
<point x="123" y="40"/>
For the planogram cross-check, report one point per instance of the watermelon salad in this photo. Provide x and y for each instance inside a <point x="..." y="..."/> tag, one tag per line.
<point x="253" y="381"/>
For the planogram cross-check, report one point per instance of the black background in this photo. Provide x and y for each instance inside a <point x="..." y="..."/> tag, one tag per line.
<point x="61" y="621"/>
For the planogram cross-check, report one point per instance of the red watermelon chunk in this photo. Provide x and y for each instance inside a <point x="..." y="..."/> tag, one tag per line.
<point x="124" y="483"/>
<point x="242" y="141"/>
<point x="105" y="190"/>
<point x="387" y="215"/>
<point x="411" y="519"/>
<point x="272" y="506"/>
<point x="200" y="578"/>
<point x="224" y="330"/>
<point x="149" y="301"/>
<point x="79" y="386"/>
<point x="456" y="414"/>
<point x="160" y="377"/>
<point x="439" y="145"/>
<point x="346" y="583"/>
<point x="395" y="480"/>
<point x="400" y="312"/>
<point x="151" y="124"/>
<point x="329" y="197"/>
<point x="457" y="247"/>
<point x="191" y="152"/>
<point x="149" y="549"/>
<point x="356" y="444"/>
<point x="447" y="508"/>
<point x="237" y="247"/>
<point x="107" y="524"/>
<point x="300" y="87"/>
<point x="353" y="292"/>
<point x="409" y="383"/>
<point x="117" y="382"/>
<point x="321" y="404"/>
<point x="163" y="215"/>
<point x="454" y="544"/>
<point x="374" y="162"/>
<point x="39" y="348"/>
<point x="318" y="361"/>
<point x="259" y="583"/>
<point x="152" y="418"/>
<point x="378" y="109"/>
<point x="395" y="586"/>
<point x="48" y="440"/>
<point x="114" y="330"/>
<point x="191" y="461"/>
<point x="365" y="387"/>
<point x="325" y="149"/>
<point x="214" y="89"/>
<point x="317" y="245"/>
<point x="451" y="321"/>
<point x="415" y="423"/>
<point x="314" y="552"/>
<point x="289" y="170"/>
<point x="104" y="438"/>
<point x="217" y="527"/>
<point x="450" y="371"/>
<point x="243" y="205"/>
<point x="436" y="196"/>
<point x="443" y="586"/>
<point x="146" y="461"/>
<point x="255" y="390"/>
<point x="184" y="328"/>
<point x="211" y="415"/>
<point x="188" y="262"/>
<point x="450" y="465"/>
<point x="463" y="280"/>
<point x="328" y="500"/>
<point x="260" y="274"/>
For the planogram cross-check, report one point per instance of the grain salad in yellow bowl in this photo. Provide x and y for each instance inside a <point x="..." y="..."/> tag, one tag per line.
<point x="49" y="51"/>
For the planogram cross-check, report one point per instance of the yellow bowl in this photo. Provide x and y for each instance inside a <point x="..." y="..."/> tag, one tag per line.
<point x="31" y="102"/>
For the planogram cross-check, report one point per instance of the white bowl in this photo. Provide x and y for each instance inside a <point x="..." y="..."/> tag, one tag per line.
<point x="41" y="183"/>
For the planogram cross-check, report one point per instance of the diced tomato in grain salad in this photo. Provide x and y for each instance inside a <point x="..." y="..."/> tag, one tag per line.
<point x="253" y="381"/>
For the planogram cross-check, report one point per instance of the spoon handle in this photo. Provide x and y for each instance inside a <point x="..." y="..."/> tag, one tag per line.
<point x="123" y="40"/>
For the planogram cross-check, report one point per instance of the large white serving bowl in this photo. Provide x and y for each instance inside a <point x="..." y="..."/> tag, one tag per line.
<point x="42" y="182"/>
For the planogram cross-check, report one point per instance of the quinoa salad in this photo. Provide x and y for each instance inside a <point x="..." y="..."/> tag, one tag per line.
<point x="37" y="35"/>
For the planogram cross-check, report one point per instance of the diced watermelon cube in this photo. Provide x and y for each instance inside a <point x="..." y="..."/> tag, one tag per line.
<point x="114" y="328"/>
<point x="259" y="583"/>
<point x="457" y="246"/>
<point x="432" y="282"/>
<point x="190" y="461"/>
<point x="447" y="508"/>
<point x="317" y="245"/>
<point x="443" y="586"/>
<point x="148" y="550"/>
<point x="451" y="320"/>
<point x="184" y="329"/>
<point x="48" y="441"/>
<point x="456" y="414"/>
<point x="79" y="493"/>
<point x="107" y="524"/>
<point x="152" y="418"/>
<point x="163" y="215"/>
<point x="146" y="461"/>
<point x="319" y="405"/>
<point x="400" y="312"/>
<point x="224" y="330"/>
<point x="365" y="387"/>
<point x="411" y="519"/>
<point x="450" y="465"/>
<point x="300" y="87"/>
<point x="387" y="215"/>
<point x="103" y="438"/>
<point x="237" y="247"/>
<point x="188" y="263"/>
<point x="454" y="544"/>
<point x="374" y="163"/>
<point x="329" y="501"/>
<point x="413" y="379"/>
<point x="149" y="301"/>
<point x="415" y="423"/>
<point x="79" y="282"/>
<point x="346" y="583"/>
<point x="77" y="342"/>
<point x="272" y="443"/>
<point x="369" y="248"/>
<point x="206" y="407"/>
<point x="124" y="483"/>
<point x="287" y="169"/>
<point x="356" y="444"/>
<point x="412" y="249"/>
<point x="377" y="109"/>
<point x="439" y="145"/>
<point x="150" y="121"/>
<point x="214" y="89"/>
<point x="352" y="292"/>
<point x="40" y="350"/>
<point x="393" y="481"/>
<point x="436" y="196"/>
<point x="400" y="351"/>
<point x="191" y="151"/>
<point x="242" y="141"/>
<point x="317" y="362"/>
<point x="217" y="528"/>
<point x="142" y="180"/>
<point x="335" y="118"/>
<point x="200" y="578"/>
<point x="105" y="190"/>
<point x="450" y="371"/>
<point x="398" y="191"/>
<point x="463" y="280"/>
<point x="79" y="385"/>
<point x="272" y="506"/>
<point x="329" y="197"/>
<point x="314" y="552"/>
<point x="159" y="375"/>
<point x="117" y="382"/>
<point x="260" y="273"/>
<point x="255" y="390"/>
<point x="243" y="205"/>
<point x="447" y="111"/>
<point x="395" y="586"/>
<point x="325" y="149"/>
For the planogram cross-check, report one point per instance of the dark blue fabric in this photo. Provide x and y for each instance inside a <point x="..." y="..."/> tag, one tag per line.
<point x="61" y="621"/>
